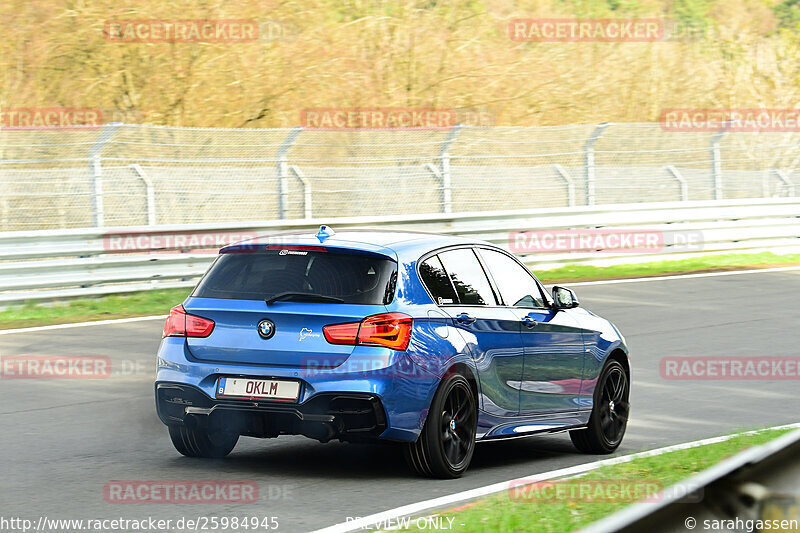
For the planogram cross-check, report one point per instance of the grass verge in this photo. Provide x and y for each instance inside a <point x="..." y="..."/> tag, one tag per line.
<point x="504" y="513"/>
<point x="713" y="263"/>
<point x="159" y="302"/>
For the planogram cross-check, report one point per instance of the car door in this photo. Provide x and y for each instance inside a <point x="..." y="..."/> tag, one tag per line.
<point x="553" y="343"/>
<point x="461" y="288"/>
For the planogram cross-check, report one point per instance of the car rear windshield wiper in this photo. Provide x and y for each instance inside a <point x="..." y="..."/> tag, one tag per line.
<point x="303" y="297"/>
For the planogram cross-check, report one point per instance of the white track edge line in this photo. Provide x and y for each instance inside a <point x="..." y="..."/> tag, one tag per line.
<point x="576" y="284"/>
<point x="82" y="324"/>
<point x="416" y="508"/>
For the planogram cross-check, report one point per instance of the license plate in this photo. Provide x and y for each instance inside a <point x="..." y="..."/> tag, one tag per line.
<point x="270" y="389"/>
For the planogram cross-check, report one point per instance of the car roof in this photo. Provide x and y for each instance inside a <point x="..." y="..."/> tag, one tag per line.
<point x="386" y="242"/>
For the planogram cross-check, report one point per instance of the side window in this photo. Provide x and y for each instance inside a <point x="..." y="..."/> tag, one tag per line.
<point x="435" y="278"/>
<point x="468" y="277"/>
<point x="516" y="285"/>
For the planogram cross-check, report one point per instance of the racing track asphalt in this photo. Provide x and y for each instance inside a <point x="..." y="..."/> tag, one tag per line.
<point x="63" y="440"/>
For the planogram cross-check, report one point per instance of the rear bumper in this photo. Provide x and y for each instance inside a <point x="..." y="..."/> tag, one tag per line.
<point x="346" y="416"/>
<point x="376" y="393"/>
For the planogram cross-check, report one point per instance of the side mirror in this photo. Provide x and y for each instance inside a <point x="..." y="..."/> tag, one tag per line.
<point x="564" y="298"/>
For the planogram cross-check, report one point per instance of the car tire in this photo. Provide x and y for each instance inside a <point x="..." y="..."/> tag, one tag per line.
<point x="445" y="446"/>
<point x="197" y="442"/>
<point x="610" y="412"/>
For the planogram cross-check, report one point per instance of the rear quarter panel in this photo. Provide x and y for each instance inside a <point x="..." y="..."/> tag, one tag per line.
<point x="600" y="338"/>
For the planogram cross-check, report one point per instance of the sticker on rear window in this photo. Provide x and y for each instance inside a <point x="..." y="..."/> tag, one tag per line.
<point x="443" y="301"/>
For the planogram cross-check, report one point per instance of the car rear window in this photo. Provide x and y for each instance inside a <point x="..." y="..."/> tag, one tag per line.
<point x="355" y="278"/>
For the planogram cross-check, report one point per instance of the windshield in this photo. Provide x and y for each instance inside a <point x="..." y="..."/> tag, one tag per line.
<point x="335" y="277"/>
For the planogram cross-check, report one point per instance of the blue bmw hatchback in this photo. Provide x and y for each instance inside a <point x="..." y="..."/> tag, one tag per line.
<point x="434" y="341"/>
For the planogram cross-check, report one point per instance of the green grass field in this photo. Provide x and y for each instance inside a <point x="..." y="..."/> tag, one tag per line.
<point x="159" y="302"/>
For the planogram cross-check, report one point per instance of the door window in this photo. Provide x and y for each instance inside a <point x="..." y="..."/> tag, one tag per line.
<point x="468" y="277"/>
<point x="517" y="287"/>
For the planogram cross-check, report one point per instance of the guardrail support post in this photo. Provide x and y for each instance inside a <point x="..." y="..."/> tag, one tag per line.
<point x="283" y="172"/>
<point x="681" y="180"/>
<point x="786" y="181"/>
<point x="151" y="193"/>
<point x="444" y="169"/>
<point x="96" y="172"/>
<point x="306" y="189"/>
<point x="570" y="185"/>
<point x="716" y="160"/>
<point x="589" y="156"/>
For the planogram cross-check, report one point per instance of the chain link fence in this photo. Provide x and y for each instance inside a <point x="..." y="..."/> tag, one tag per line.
<point x="121" y="174"/>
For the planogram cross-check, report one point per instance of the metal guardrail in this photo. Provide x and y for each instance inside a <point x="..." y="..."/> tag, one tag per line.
<point x="761" y="483"/>
<point x="54" y="264"/>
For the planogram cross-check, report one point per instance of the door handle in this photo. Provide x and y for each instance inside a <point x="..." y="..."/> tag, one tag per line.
<point x="464" y="318"/>
<point x="529" y="322"/>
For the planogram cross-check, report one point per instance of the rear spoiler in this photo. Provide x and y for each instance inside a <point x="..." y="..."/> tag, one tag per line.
<point x="299" y="249"/>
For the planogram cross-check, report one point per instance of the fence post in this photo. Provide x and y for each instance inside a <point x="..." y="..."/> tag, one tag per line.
<point x="570" y="185"/>
<point x="444" y="169"/>
<point x="306" y="190"/>
<point x="283" y="172"/>
<point x="681" y="180"/>
<point x="151" y="193"/>
<point x="716" y="160"/>
<point x="589" y="149"/>
<point x="96" y="172"/>
<point x="786" y="181"/>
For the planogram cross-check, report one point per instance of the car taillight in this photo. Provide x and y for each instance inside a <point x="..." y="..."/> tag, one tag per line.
<point x="181" y="324"/>
<point x="392" y="330"/>
<point x="342" y="333"/>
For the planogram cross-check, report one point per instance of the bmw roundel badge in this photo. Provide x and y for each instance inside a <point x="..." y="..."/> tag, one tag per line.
<point x="266" y="328"/>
